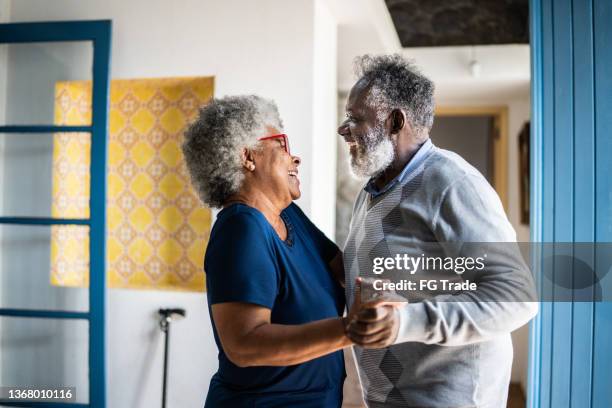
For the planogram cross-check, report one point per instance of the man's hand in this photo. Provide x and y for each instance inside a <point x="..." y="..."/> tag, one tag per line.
<point x="376" y="325"/>
<point x="373" y="324"/>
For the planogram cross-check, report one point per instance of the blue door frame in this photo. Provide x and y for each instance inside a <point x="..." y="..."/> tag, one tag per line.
<point x="571" y="194"/>
<point x="99" y="33"/>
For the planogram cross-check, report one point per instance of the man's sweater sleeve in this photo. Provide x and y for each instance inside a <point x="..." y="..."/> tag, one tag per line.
<point x="469" y="211"/>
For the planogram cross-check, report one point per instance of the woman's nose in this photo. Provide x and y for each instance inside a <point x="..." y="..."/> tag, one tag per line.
<point x="296" y="160"/>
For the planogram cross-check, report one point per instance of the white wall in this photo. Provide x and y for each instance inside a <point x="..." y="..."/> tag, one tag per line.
<point x="323" y="187"/>
<point x="364" y="26"/>
<point x="262" y="47"/>
<point x="265" y="47"/>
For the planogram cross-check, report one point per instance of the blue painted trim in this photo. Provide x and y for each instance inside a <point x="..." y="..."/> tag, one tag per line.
<point x="53" y="31"/>
<point x="563" y="198"/>
<point x="44" y="129"/>
<point x="44" y="314"/>
<point x="43" y="221"/>
<point x="535" y="222"/>
<point x="99" y="32"/>
<point x="97" y="242"/>
<point x="581" y="358"/>
<point x="602" y="319"/>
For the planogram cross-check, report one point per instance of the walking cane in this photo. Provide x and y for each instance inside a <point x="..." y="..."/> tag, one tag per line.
<point x="167" y="316"/>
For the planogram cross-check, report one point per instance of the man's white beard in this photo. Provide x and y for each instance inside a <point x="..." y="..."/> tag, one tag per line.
<point x="373" y="155"/>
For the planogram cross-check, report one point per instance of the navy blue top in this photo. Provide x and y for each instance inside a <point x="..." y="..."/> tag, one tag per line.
<point x="246" y="261"/>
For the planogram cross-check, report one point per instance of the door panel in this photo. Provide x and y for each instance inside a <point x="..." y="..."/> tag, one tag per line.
<point x="52" y="329"/>
<point x="33" y="69"/>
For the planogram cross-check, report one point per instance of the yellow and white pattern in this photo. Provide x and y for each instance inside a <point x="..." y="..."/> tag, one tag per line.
<point x="157" y="227"/>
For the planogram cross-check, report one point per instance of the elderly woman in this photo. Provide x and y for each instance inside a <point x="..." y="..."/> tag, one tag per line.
<point x="272" y="276"/>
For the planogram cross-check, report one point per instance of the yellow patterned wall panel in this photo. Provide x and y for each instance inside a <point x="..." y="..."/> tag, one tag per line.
<point x="157" y="227"/>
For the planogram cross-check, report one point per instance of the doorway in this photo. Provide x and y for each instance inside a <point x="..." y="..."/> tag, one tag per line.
<point x="479" y="134"/>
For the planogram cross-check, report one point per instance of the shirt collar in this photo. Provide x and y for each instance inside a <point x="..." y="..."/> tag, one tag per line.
<point x="412" y="164"/>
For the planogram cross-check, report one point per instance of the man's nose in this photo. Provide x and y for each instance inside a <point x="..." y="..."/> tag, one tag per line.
<point x="343" y="130"/>
<point x="296" y="160"/>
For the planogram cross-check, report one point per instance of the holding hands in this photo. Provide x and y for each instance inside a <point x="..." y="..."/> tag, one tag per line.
<point x="373" y="321"/>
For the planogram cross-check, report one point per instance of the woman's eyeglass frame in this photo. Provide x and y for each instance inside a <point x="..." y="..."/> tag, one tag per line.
<point x="279" y="136"/>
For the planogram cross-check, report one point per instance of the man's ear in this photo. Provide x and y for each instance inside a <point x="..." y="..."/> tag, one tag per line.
<point x="398" y="120"/>
<point x="247" y="159"/>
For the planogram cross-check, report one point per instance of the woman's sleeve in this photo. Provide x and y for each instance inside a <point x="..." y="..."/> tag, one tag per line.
<point x="241" y="265"/>
<point x="325" y="246"/>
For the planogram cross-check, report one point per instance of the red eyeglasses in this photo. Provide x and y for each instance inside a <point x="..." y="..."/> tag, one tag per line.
<point x="279" y="136"/>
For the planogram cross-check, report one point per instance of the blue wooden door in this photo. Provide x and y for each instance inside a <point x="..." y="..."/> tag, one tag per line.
<point x="98" y="33"/>
<point x="570" y="358"/>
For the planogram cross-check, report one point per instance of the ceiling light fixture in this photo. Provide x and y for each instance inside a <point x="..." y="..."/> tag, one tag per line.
<point x="475" y="67"/>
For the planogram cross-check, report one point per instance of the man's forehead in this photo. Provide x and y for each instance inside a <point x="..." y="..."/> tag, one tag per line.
<point x="362" y="85"/>
<point x="357" y="97"/>
<point x="358" y="92"/>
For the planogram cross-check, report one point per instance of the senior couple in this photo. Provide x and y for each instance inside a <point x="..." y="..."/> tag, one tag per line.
<point x="277" y="287"/>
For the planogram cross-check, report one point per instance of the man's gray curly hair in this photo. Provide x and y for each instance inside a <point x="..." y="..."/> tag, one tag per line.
<point x="214" y="142"/>
<point x="395" y="82"/>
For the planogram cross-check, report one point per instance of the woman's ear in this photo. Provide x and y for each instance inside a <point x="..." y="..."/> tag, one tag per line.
<point x="248" y="161"/>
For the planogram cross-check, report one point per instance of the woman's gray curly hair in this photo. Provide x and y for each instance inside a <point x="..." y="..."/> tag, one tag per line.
<point x="214" y="142"/>
<point x="395" y="82"/>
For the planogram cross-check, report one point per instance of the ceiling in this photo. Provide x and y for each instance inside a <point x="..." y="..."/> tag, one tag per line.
<point x="366" y="27"/>
<point x="460" y="22"/>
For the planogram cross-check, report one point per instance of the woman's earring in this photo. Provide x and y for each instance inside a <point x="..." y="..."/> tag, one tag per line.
<point x="251" y="166"/>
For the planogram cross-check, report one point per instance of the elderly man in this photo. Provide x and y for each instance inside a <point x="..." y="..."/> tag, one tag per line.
<point x="445" y="350"/>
